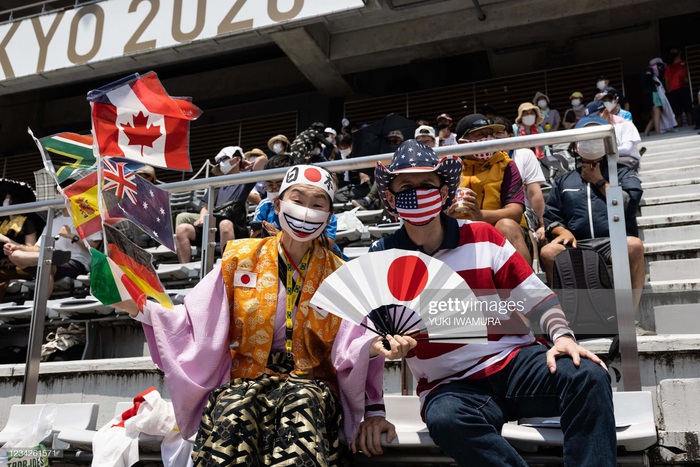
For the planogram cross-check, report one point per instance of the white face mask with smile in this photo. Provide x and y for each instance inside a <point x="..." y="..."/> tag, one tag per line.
<point x="301" y="223"/>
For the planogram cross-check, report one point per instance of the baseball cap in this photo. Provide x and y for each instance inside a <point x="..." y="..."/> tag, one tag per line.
<point x="425" y="130"/>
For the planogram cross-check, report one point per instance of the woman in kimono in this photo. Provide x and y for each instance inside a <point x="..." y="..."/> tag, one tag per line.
<point x="247" y="362"/>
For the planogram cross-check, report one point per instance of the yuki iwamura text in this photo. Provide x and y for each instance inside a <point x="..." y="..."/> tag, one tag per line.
<point x="451" y="305"/>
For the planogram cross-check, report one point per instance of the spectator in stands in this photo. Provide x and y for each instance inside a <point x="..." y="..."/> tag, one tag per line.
<point x="577" y="211"/>
<point x="677" y="86"/>
<point x="246" y="362"/>
<point x="330" y="151"/>
<point x="425" y="134"/>
<point x="230" y="205"/>
<point x="528" y="123"/>
<point x="469" y="391"/>
<point x="445" y="137"/>
<point x="269" y="219"/>
<point x="611" y="98"/>
<point x="576" y="112"/>
<point x="278" y="144"/>
<point x="626" y="134"/>
<point x="307" y="146"/>
<point x="491" y="189"/>
<point x="489" y="111"/>
<point x="605" y="83"/>
<point x="148" y="173"/>
<point x="551" y="118"/>
<point x="532" y="176"/>
<point x="655" y="101"/>
<point x="394" y="138"/>
<point x="71" y="256"/>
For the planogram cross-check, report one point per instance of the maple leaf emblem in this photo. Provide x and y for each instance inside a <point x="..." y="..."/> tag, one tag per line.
<point x="140" y="133"/>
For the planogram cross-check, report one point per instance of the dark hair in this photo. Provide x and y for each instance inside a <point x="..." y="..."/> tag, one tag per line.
<point x="498" y="120"/>
<point x="488" y="109"/>
<point x="277" y="161"/>
<point x="344" y="139"/>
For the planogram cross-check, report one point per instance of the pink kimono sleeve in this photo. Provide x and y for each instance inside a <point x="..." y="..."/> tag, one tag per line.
<point x="360" y="377"/>
<point x="190" y="345"/>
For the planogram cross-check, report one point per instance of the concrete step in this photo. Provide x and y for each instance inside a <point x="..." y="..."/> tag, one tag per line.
<point x="677" y="319"/>
<point x="686" y="269"/>
<point x="660" y="192"/>
<point x="671" y="234"/>
<point x="668" y="174"/>
<point x="667" y="181"/>
<point x="652" y="210"/>
<point x="666" y="198"/>
<point x="664" y="220"/>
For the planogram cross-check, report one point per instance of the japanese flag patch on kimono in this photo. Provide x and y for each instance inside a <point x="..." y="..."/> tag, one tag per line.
<point x="243" y="278"/>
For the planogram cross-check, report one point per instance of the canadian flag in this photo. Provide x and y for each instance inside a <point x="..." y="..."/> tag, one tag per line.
<point x="137" y="119"/>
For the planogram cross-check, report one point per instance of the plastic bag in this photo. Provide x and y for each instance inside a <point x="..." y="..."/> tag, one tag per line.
<point x="27" y="442"/>
<point x="348" y="221"/>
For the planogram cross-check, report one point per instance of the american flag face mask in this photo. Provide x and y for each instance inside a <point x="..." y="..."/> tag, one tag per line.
<point x="418" y="206"/>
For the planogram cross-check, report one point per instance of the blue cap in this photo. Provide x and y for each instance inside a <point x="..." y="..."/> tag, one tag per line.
<point x="595" y="107"/>
<point x="592" y="120"/>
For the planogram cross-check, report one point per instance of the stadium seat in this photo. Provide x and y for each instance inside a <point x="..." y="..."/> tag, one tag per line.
<point x="68" y="416"/>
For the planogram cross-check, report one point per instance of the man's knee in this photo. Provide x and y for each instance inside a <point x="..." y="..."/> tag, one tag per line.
<point x="550" y="251"/>
<point x="635" y="247"/>
<point x="183" y="231"/>
<point x="508" y="227"/>
<point x="226" y="227"/>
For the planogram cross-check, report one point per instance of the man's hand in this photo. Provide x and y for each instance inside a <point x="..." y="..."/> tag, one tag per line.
<point x="590" y="172"/>
<point x="565" y="237"/>
<point x="66" y="232"/>
<point x="566" y="345"/>
<point x="9" y="248"/>
<point x="466" y="206"/>
<point x="198" y="222"/>
<point x="370" y="436"/>
<point x="400" y="346"/>
<point x="539" y="233"/>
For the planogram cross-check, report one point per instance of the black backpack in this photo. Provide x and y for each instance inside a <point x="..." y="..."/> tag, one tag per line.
<point x="583" y="282"/>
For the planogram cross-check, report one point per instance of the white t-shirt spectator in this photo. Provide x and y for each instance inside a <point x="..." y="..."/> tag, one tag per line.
<point x="65" y="244"/>
<point x="529" y="168"/>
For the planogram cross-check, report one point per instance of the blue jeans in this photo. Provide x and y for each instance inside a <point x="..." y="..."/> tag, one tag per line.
<point x="465" y="417"/>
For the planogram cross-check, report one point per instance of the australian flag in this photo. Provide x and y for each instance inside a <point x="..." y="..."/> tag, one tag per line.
<point x="128" y="196"/>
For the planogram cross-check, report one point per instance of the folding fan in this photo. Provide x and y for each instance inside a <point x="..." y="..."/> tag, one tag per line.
<point x="401" y="291"/>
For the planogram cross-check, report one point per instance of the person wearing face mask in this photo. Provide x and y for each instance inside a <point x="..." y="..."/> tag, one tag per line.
<point x="491" y="188"/>
<point x="528" y="123"/>
<point x="278" y="144"/>
<point x="306" y="147"/>
<point x="467" y="392"/>
<point x="246" y="361"/>
<point x="230" y="205"/>
<point x="576" y="112"/>
<point x="626" y="135"/>
<point x="267" y="216"/>
<point x="611" y="99"/>
<point x="552" y="119"/>
<point x="576" y="211"/>
<point x="655" y="100"/>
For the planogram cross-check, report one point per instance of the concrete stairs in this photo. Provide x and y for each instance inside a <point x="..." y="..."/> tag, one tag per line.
<point x="669" y="225"/>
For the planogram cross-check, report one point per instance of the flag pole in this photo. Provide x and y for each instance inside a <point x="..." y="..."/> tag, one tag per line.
<point x="100" y="179"/>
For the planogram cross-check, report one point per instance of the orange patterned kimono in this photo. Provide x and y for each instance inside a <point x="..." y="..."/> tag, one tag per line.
<point x="253" y="311"/>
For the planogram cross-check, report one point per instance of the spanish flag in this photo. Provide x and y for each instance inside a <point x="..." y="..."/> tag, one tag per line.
<point x="126" y="278"/>
<point x="83" y="205"/>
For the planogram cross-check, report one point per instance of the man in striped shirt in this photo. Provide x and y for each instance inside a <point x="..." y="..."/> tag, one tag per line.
<point x="468" y="391"/>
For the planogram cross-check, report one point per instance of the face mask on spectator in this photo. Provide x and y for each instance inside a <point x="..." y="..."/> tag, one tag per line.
<point x="575" y="102"/>
<point x="226" y="165"/>
<point x="600" y="85"/>
<point x="484" y="156"/>
<point x="278" y="148"/>
<point x="418" y="206"/>
<point x="316" y="151"/>
<point x="610" y="106"/>
<point x="344" y="153"/>
<point x="6" y="201"/>
<point x="591" y="150"/>
<point x="528" y="120"/>
<point x="542" y="104"/>
<point x="271" y="195"/>
<point x="301" y="223"/>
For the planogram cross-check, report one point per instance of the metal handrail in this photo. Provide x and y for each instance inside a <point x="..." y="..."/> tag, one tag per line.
<point x="616" y="220"/>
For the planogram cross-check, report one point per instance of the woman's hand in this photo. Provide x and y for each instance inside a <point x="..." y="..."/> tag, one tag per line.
<point x="399" y="346"/>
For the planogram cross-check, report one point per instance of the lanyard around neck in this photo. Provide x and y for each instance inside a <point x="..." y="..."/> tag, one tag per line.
<point x="293" y="291"/>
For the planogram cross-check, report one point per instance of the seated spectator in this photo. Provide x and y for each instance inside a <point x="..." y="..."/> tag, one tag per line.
<point x="531" y="173"/>
<point x="445" y="137"/>
<point x="626" y="134"/>
<point x="611" y="98"/>
<point x="259" y="189"/>
<point x="425" y="134"/>
<point x="528" y="123"/>
<point x="552" y="119"/>
<point x="249" y="369"/>
<point x="230" y="205"/>
<point x="576" y="112"/>
<point x="577" y="211"/>
<point x="329" y="151"/>
<point x="467" y="391"/>
<point x="603" y="83"/>
<point x="307" y="146"/>
<point x="279" y="144"/>
<point x="148" y="173"/>
<point x="491" y="187"/>
<point x="71" y="256"/>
